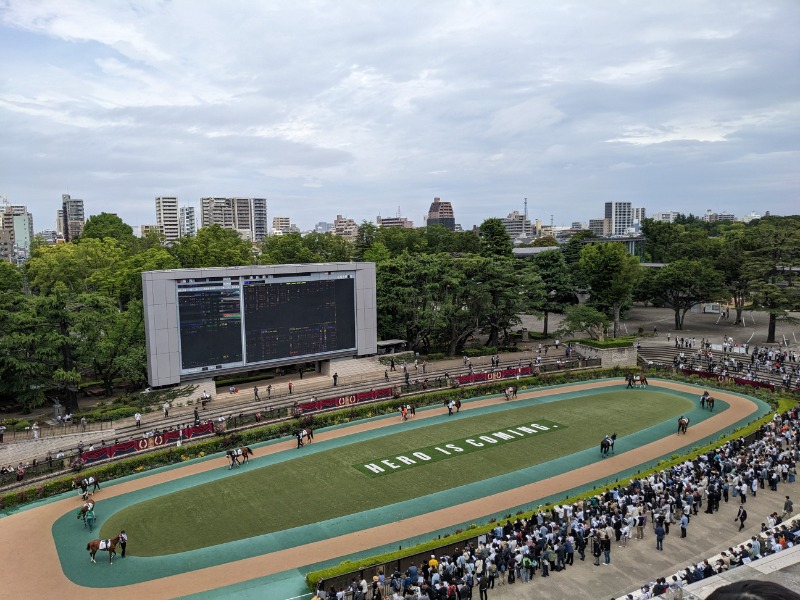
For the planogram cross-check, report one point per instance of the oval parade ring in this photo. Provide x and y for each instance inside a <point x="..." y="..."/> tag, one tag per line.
<point x="33" y="524"/>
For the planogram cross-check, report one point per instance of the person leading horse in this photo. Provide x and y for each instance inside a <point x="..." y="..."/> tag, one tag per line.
<point x="683" y="424"/>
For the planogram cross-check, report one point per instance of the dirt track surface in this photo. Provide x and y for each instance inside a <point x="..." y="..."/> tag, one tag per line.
<point x="31" y="569"/>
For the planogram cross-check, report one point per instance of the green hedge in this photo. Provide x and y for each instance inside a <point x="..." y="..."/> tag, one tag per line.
<point x="606" y="344"/>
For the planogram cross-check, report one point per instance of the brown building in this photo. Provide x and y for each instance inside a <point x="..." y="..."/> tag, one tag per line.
<point x="441" y="213"/>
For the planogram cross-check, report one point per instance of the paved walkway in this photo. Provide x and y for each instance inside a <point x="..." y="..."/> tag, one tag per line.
<point x="33" y="525"/>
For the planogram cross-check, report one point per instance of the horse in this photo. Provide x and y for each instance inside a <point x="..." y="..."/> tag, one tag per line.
<point x="683" y="424"/>
<point x="710" y="403"/>
<point x="84" y="483"/>
<point x="233" y="456"/>
<point x="87" y="506"/>
<point x="109" y="546"/>
<point x="607" y="444"/>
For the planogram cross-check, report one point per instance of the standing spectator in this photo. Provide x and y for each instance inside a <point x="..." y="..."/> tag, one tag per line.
<point x="20" y="472"/>
<point x="35" y="429"/>
<point x="291" y="385"/>
<point x="2" y="431"/>
<point x="83" y="423"/>
<point x="166" y="409"/>
<point x="684" y="524"/>
<point x="138" y="418"/>
<point x="255" y="393"/>
<point x="335" y="379"/>
<point x="597" y="550"/>
<point x="660" y="537"/>
<point x="269" y="391"/>
<point x="606" y="543"/>
<point x="483" y="586"/>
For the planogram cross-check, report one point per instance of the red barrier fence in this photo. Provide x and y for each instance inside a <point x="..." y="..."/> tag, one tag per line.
<point x="707" y="375"/>
<point x="346" y="400"/>
<point x="495" y="375"/>
<point x="144" y="443"/>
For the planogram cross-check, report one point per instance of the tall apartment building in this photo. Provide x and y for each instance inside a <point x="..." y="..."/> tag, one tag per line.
<point x="72" y="217"/>
<point x="248" y="216"/>
<point x="167" y="217"/>
<point x="345" y="227"/>
<point x="621" y="215"/>
<point x="639" y="215"/>
<point x="517" y="225"/>
<point x="260" y="220"/>
<point x="187" y="222"/>
<point x="282" y="224"/>
<point x="441" y="213"/>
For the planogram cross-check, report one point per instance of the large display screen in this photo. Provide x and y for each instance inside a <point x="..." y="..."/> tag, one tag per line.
<point x="298" y="319"/>
<point x="234" y="321"/>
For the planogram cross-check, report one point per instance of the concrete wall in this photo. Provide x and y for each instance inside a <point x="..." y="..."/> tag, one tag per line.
<point x="611" y="357"/>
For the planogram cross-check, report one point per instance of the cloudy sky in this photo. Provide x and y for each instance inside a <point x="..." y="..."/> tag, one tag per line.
<point x="358" y="108"/>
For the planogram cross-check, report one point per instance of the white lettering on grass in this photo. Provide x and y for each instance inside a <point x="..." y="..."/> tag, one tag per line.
<point x="406" y="461"/>
<point x="442" y="450"/>
<point x="540" y="427"/>
<point x="454" y="448"/>
<point x="486" y="438"/>
<point x="526" y="429"/>
<point x="421" y="456"/>
<point x="374" y="468"/>
<point x="503" y="436"/>
<point x="474" y="443"/>
<point x="390" y="464"/>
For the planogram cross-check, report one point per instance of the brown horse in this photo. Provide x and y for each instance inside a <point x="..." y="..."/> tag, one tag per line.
<point x="109" y="546"/>
<point x="683" y="425"/>
<point x="233" y="455"/>
<point x="87" y="506"/>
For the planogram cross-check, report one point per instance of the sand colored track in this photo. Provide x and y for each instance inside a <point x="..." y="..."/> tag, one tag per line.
<point x="30" y="566"/>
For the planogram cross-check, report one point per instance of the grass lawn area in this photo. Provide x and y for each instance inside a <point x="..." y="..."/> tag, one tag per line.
<point x="326" y="485"/>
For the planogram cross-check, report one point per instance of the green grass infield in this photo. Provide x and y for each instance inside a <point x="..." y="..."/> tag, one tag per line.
<point x="306" y="489"/>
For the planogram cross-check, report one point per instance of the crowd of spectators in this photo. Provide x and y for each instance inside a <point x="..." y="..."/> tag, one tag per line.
<point x="550" y="542"/>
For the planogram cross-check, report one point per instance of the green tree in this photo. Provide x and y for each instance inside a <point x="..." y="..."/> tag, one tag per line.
<point x="685" y="283"/>
<point x="546" y="241"/>
<point x="772" y="261"/>
<point x="612" y="275"/>
<point x="377" y="253"/>
<point x="287" y="249"/>
<point x="365" y="237"/>
<point x="213" y="246"/>
<point x="514" y="287"/>
<point x="495" y="241"/>
<point x="10" y="278"/>
<point x="659" y="237"/>
<point x="329" y="247"/>
<point x="106" y="225"/>
<point x="559" y="289"/>
<point x="583" y="318"/>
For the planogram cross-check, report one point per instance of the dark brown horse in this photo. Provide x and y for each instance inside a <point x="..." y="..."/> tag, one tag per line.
<point x="683" y="425"/>
<point x="607" y="444"/>
<point x="234" y="455"/>
<point x="109" y="546"/>
<point x="85" y="483"/>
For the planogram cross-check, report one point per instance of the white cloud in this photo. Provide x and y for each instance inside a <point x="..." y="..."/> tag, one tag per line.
<point x="355" y="108"/>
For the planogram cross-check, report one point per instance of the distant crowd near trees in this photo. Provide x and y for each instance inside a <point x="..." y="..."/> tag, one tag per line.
<point x="72" y="313"/>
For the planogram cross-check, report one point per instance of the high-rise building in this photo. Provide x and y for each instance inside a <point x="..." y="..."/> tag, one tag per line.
<point x="282" y="224"/>
<point x="517" y="225"/>
<point x="187" y="221"/>
<point x="167" y="217"/>
<point x="260" y="220"/>
<point x="621" y="215"/>
<point x="72" y="217"/>
<point x="441" y="213"/>
<point x="248" y="216"/>
<point x="345" y="227"/>
<point x="322" y="227"/>
<point x="639" y="215"/>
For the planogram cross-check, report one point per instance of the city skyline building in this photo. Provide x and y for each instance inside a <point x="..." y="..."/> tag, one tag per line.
<point x="397" y="221"/>
<point x="345" y="227"/>
<point x="248" y="216"/>
<point x="518" y="225"/>
<point x="167" y="217"/>
<point x="441" y="213"/>
<point x="187" y="221"/>
<point x="621" y="215"/>
<point x="73" y="217"/>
